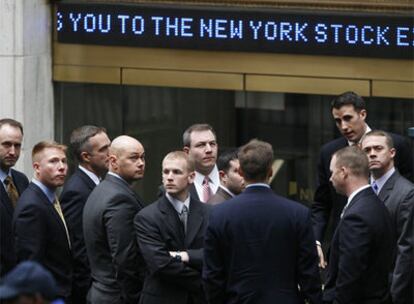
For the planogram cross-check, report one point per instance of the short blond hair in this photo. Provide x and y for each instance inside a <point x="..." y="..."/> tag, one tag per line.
<point x="45" y="144"/>
<point x="181" y="155"/>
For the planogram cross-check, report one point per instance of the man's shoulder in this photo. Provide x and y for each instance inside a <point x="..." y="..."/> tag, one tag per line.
<point x="19" y="175"/>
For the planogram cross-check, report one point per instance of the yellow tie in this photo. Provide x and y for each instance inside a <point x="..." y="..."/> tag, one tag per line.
<point x="11" y="190"/>
<point x="56" y="204"/>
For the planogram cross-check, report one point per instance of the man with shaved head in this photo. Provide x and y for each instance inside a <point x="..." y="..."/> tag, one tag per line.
<point x="116" y="263"/>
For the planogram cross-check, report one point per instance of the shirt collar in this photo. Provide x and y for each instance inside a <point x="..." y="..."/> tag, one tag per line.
<point x="383" y="179"/>
<point x="227" y="190"/>
<point x="367" y="129"/>
<point x="3" y="175"/>
<point x="177" y="204"/>
<point x="258" y="185"/>
<point x="90" y="174"/>
<point x="50" y="194"/>
<point x="214" y="178"/>
<point x="355" y="193"/>
<point x="117" y="176"/>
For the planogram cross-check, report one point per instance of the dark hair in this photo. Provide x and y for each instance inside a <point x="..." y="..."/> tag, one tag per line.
<point x="196" y="128"/>
<point x="79" y="139"/>
<point x="256" y="159"/>
<point x="227" y="155"/>
<point x="353" y="158"/>
<point x="40" y="146"/>
<point x="348" y="98"/>
<point x="11" y="122"/>
<point x="388" y="139"/>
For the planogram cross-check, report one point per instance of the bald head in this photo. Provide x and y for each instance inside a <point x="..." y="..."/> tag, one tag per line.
<point x="127" y="158"/>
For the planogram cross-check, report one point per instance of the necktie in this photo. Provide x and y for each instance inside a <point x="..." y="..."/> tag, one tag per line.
<point x="183" y="217"/>
<point x="375" y="187"/>
<point x="11" y="190"/>
<point x="58" y="209"/>
<point x="206" y="189"/>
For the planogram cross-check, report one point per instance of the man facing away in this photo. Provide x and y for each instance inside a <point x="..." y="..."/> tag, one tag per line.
<point x="231" y="182"/>
<point x="259" y="247"/>
<point x="349" y="112"/>
<point x="397" y="193"/>
<point x="362" y="246"/>
<point x="89" y="145"/>
<point x="116" y="263"/>
<point x="200" y="144"/>
<point x="13" y="183"/>
<point x="39" y="226"/>
<point x="170" y="233"/>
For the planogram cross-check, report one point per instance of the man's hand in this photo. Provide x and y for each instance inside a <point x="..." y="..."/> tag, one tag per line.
<point x="183" y="254"/>
<point x="322" y="263"/>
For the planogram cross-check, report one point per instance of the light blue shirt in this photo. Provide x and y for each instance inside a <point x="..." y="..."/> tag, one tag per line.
<point x="258" y="185"/>
<point x="383" y="179"/>
<point x="3" y="176"/>
<point x="50" y="194"/>
<point x="177" y="204"/>
<point x="90" y="174"/>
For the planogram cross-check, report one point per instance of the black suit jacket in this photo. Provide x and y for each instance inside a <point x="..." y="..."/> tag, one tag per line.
<point x="116" y="263"/>
<point x="398" y="196"/>
<point x="7" y="253"/>
<point x="73" y="198"/>
<point x="361" y="253"/>
<point x="40" y="235"/>
<point x="159" y="231"/>
<point x="328" y="205"/>
<point x="259" y="247"/>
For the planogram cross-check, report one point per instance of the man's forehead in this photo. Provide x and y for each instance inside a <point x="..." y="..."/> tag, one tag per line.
<point x="374" y="141"/>
<point x="202" y="136"/>
<point x="7" y="129"/>
<point x="174" y="163"/>
<point x="344" y="110"/>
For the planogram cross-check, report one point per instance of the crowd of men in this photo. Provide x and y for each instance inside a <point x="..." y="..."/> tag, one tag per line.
<point x="217" y="233"/>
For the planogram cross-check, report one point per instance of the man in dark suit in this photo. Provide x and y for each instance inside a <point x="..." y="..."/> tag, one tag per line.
<point x="170" y="234"/>
<point x="90" y="146"/>
<point x="231" y="182"/>
<point x="349" y="113"/>
<point x="397" y="193"/>
<point x="362" y="246"/>
<point x="200" y="144"/>
<point x="259" y="247"/>
<point x="115" y="260"/>
<point x="39" y="227"/>
<point x="13" y="183"/>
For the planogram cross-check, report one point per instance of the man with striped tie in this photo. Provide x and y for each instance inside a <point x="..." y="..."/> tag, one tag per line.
<point x="13" y="184"/>
<point x="200" y="144"/>
<point x="40" y="231"/>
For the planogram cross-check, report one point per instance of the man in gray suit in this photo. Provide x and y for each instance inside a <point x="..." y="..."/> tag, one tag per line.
<point x="397" y="193"/>
<point x="116" y="263"/>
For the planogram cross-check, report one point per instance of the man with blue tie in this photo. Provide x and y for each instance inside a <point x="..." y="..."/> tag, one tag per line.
<point x="259" y="247"/>
<point x="39" y="227"/>
<point x="397" y="193"/>
<point x="13" y="183"/>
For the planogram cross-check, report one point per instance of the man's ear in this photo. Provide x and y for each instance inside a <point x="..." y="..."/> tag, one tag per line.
<point x="85" y="157"/>
<point x="363" y="114"/>
<point x="393" y="152"/>
<point x="191" y="177"/>
<point x="186" y="149"/>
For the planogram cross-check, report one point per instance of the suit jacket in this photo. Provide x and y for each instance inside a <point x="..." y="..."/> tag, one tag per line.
<point x="40" y="235"/>
<point x="220" y="196"/>
<point x="159" y="231"/>
<point x="7" y="253"/>
<point x="259" y="247"/>
<point x="398" y="196"/>
<point x="361" y="253"/>
<point x="328" y="205"/>
<point x="116" y="264"/>
<point x="73" y="198"/>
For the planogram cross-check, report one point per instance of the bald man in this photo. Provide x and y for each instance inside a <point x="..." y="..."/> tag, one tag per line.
<point x="116" y="263"/>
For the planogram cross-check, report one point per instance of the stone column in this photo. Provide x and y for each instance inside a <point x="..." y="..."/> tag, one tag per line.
<point x="26" y="91"/>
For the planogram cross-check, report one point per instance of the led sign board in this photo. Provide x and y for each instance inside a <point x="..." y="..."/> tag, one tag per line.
<point x="244" y="30"/>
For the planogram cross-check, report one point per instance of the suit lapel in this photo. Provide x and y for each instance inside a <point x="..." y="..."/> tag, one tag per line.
<point x="172" y="221"/>
<point x="86" y="179"/>
<point x="5" y="200"/>
<point x="195" y="219"/>
<point x="124" y="185"/>
<point x="51" y="209"/>
<point x="18" y="182"/>
<point x="388" y="186"/>
<point x="193" y="192"/>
